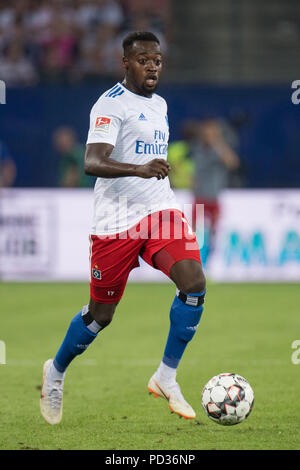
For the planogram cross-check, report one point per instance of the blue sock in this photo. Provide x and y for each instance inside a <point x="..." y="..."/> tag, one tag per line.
<point x="76" y="341"/>
<point x="185" y="315"/>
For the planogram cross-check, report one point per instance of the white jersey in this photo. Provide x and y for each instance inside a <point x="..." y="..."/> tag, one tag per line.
<point x="138" y="129"/>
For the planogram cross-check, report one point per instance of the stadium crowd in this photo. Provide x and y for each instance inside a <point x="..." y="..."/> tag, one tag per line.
<point x="72" y="40"/>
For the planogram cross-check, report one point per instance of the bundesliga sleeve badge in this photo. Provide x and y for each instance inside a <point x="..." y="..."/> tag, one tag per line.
<point x="102" y="124"/>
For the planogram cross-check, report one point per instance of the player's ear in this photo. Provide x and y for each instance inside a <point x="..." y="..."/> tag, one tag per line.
<point x="125" y="62"/>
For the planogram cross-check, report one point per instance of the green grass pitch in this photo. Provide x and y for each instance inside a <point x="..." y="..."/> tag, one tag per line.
<point x="248" y="329"/>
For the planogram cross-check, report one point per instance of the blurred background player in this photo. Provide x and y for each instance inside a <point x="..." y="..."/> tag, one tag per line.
<point x="127" y="151"/>
<point x="179" y="155"/>
<point x="8" y="170"/>
<point x="71" y="162"/>
<point x="215" y="160"/>
<point x="205" y="161"/>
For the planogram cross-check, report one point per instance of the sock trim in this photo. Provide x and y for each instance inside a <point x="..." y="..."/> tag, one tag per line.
<point x="58" y="367"/>
<point x="171" y="362"/>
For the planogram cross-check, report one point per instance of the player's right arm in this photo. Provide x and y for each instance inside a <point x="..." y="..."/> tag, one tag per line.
<point x="97" y="162"/>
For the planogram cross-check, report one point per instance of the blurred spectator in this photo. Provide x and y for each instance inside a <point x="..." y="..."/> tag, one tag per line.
<point x="158" y="12"/>
<point x="215" y="159"/>
<point x="72" y="39"/>
<point x="98" y="61"/>
<point x="144" y="22"/>
<point x="92" y="13"/>
<point x="7" y="167"/>
<point x="16" y="69"/>
<point x="71" y="162"/>
<point x="59" y="49"/>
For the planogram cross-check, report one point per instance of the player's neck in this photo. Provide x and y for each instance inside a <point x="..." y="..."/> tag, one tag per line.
<point x="131" y="87"/>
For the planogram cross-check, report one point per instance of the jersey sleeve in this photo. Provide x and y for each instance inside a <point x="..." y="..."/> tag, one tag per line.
<point x="106" y="119"/>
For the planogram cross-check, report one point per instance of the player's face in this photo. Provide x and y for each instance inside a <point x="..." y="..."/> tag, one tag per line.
<point x="143" y="67"/>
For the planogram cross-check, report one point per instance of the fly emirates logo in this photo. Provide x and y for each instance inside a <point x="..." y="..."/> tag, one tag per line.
<point x="157" y="147"/>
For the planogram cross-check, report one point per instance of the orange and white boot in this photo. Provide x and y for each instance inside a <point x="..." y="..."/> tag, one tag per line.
<point x="172" y="393"/>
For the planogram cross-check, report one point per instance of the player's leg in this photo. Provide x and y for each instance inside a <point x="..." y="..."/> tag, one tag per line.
<point x="185" y="314"/>
<point x="106" y="287"/>
<point x="82" y="331"/>
<point x="180" y="260"/>
<point x="186" y="310"/>
<point x="188" y="276"/>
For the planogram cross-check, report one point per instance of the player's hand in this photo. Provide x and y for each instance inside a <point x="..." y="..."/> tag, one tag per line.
<point x="157" y="167"/>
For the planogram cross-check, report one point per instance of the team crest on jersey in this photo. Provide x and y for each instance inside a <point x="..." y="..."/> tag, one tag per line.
<point x="96" y="273"/>
<point x="102" y="124"/>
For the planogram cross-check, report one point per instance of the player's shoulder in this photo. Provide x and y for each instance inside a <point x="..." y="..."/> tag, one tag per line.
<point x="160" y="100"/>
<point x="114" y="93"/>
<point x="112" y="99"/>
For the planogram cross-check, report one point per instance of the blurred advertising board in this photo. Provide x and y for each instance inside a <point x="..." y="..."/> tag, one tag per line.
<point x="44" y="236"/>
<point x="26" y="234"/>
<point x="258" y="237"/>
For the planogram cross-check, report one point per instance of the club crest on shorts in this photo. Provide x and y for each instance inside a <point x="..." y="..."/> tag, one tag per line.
<point x="96" y="273"/>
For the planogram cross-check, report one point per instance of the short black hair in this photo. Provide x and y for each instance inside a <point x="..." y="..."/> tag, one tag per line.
<point x="138" y="36"/>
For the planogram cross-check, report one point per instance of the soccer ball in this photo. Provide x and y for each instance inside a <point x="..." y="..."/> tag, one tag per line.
<point x="227" y="399"/>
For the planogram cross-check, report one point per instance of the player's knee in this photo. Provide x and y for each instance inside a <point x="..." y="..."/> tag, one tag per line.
<point x="102" y="313"/>
<point x="193" y="285"/>
<point x="188" y="276"/>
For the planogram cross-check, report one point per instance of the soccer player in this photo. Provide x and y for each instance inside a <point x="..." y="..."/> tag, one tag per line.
<point x="134" y="209"/>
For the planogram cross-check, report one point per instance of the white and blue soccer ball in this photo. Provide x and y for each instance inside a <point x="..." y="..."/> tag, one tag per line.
<point x="227" y="399"/>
